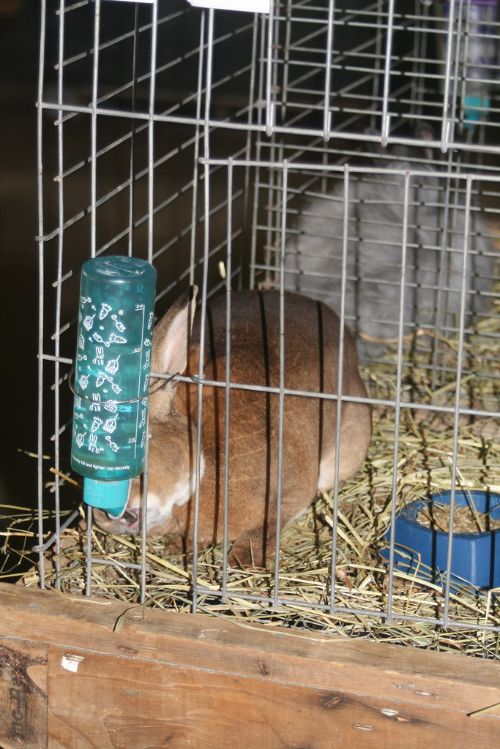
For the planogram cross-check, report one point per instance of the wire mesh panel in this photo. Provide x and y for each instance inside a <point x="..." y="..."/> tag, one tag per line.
<point x="377" y="217"/>
<point x="336" y="66"/>
<point x="343" y="150"/>
<point x="326" y="68"/>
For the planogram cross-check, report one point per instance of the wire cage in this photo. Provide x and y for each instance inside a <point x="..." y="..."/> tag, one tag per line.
<point x="347" y="150"/>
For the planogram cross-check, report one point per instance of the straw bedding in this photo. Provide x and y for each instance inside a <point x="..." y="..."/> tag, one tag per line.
<point x="364" y="509"/>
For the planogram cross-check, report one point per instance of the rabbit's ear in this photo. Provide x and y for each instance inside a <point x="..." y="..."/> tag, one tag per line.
<point x="425" y="132"/>
<point x="171" y="335"/>
<point x="373" y="146"/>
<point x="380" y="156"/>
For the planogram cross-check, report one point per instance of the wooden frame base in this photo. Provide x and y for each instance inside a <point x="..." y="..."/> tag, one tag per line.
<point x="80" y="673"/>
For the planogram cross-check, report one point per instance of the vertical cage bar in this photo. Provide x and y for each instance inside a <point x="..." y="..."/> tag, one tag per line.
<point x="57" y="332"/>
<point x="276" y="181"/>
<point x="270" y="277"/>
<point x="258" y="189"/>
<point x="456" y="407"/>
<point x="93" y="131"/>
<point x="397" y="408"/>
<point x="258" y="152"/>
<point x="445" y="122"/>
<point x="151" y="152"/>
<point x="456" y="73"/>
<point x="286" y="59"/>
<point x="465" y="57"/>
<point x="378" y="49"/>
<point x="418" y="66"/>
<point x="151" y="126"/>
<point x="131" y="194"/>
<point x="272" y="202"/>
<point x="41" y="277"/>
<point x="244" y="277"/>
<point x="229" y="275"/>
<point x="144" y="518"/>
<point x="269" y="73"/>
<point x="93" y="224"/>
<point x="387" y="75"/>
<point x="194" y="206"/>
<point x="440" y="319"/>
<point x="340" y="386"/>
<point x="327" y="118"/>
<point x="88" y="551"/>
<point x="203" y="315"/>
<point x="281" y="415"/>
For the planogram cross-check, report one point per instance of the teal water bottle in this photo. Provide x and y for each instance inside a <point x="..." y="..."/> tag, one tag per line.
<point x="112" y="368"/>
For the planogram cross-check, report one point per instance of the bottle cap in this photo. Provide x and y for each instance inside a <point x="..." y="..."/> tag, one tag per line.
<point x="110" y="496"/>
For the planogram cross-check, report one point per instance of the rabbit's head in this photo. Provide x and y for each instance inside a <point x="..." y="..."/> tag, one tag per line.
<point x="397" y="155"/>
<point x="171" y="462"/>
<point x="171" y="342"/>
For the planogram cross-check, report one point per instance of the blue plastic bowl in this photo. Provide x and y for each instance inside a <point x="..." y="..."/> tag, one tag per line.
<point x="475" y="558"/>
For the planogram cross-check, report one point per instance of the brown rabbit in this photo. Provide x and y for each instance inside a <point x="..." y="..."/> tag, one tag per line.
<point x="311" y="363"/>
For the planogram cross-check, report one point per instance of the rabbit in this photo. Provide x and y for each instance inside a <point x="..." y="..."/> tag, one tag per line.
<point x="313" y="258"/>
<point x="311" y="345"/>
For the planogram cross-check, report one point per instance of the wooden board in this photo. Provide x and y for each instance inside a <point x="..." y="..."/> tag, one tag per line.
<point x="98" y="675"/>
<point x="23" y="695"/>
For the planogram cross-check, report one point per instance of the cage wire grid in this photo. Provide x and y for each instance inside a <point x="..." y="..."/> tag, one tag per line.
<point x="248" y="144"/>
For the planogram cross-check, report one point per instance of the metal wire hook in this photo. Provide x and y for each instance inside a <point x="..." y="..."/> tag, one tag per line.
<point x="169" y="381"/>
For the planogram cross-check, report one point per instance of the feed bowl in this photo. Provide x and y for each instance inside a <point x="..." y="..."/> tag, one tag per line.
<point x="419" y="549"/>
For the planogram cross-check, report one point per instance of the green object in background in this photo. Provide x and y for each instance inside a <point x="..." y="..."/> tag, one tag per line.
<point x="112" y="368"/>
<point x="477" y="46"/>
<point x="475" y="109"/>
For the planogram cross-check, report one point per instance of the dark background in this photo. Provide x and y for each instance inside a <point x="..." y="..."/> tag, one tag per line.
<point x="19" y="42"/>
<point x="18" y="251"/>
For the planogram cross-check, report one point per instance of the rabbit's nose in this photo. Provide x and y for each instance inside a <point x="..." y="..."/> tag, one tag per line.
<point x="131" y="519"/>
<point x="131" y="516"/>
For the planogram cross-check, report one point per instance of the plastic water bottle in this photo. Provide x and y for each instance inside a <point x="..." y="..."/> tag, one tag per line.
<point x="112" y="368"/>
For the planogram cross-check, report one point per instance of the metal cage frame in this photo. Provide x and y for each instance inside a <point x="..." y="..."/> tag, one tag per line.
<point x="292" y="121"/>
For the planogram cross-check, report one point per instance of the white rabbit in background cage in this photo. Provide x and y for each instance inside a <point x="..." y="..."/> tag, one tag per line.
<point x="311" y="362"/>
<point x="434" y="270"/>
